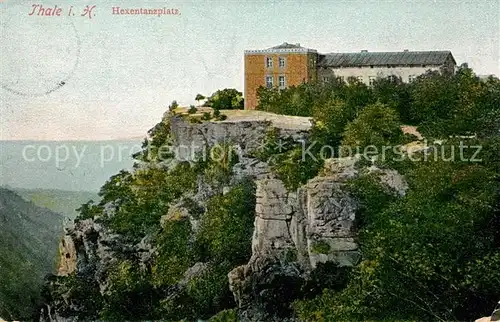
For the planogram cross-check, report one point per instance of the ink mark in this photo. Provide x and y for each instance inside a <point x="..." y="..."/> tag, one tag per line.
<point x="38" y="56"/>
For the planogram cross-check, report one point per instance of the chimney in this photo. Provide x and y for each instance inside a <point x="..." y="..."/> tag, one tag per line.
<point x="364" y="51"/>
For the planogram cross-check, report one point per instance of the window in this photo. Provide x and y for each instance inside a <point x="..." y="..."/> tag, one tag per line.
<point x="340" y="79"/>
<point x="269" y="62"/>
<point x="391" y="78"/>
<point x="411" y="78"/>
<point x="269" y="81"/>
<point x="371" y="80"/>
<point x="281" y="62"/>
<point x="326" y="79"/>
<point x="360" y="78"/>
<point x="281" y="81"/>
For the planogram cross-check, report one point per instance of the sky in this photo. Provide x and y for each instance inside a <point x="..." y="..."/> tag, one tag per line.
<point x="102" y="76"/>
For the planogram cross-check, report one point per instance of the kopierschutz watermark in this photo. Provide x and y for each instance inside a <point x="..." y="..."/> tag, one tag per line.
<point x="73" y="154"/>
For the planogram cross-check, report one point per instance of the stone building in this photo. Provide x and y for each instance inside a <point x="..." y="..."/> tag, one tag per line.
<point x="290" y="64"/>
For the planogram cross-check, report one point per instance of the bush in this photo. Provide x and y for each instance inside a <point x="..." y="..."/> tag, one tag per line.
<point x="228" y="98"/>
<point x="173" y="105"/>
<point x="192" y="109"/>
<point x="226" y="228"/>
<point x="206" y="116"/>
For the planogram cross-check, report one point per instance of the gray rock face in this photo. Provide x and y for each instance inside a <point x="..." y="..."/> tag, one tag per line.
<point x="191" y="139"/>
<point x="294" y="232"/>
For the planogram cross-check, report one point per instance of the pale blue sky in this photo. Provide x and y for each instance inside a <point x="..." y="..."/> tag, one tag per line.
<point x="130" y="68"/>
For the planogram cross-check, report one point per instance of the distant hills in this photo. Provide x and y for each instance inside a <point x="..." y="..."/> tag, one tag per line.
<point x="64" y="165"/>
<point x="29" y="237"/>
<point x="60" y="201"/>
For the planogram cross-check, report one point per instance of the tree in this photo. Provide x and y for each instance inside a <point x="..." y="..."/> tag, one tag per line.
<point x="199" y="97"/>
<point x="192" y="109"/>
<point x="173" y="105"/>
<point x="376" y="125"/>
<point x="228" y="98"/>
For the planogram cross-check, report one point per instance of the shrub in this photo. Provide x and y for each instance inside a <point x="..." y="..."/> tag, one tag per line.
<point x="228" y="98"/>
<point x="206" y="116"/>
<point x="226" y="228"/>
<point x="192" y="109"/>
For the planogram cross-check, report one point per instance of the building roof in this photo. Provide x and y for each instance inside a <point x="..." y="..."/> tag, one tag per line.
<point x="283" y="48"/>
<point x="365" y="58"/>
<point x="286" y="45"/>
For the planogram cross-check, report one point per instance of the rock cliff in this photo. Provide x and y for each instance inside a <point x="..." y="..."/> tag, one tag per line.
<point x="294" y="231"/>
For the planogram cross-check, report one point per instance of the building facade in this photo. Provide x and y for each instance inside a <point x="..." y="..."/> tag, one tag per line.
<point x="290" y="65"/>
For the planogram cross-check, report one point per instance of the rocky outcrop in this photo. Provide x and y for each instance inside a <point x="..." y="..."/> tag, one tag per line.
<point x="191" y="139"/>
<point x="67" y="257"/>
<point x="294" y="232"/>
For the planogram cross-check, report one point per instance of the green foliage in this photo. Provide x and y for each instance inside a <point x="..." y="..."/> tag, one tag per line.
<point x="84" y="294"/>
<point x="206" y="116"/>
<point x="377" y="125"/>
<point x="440" y="104"/>
<point x="226" y="227"/>
<point x="88" y="210"/>
<point x="455" y="104"/>
<point x="223" y="240"/>
<point x="139" y="200"/>
<point x="394" y="94"/>
<point x="320" y="247"/>
<point x="218" y="116"/>
<point x="192" y="109"/>
<point x="225" y="316"/>
<point x="175" y="253"/>
<point x="28" y="247"/>
<point x="293" y="162"/>
<point x="431" y="254"/>
<point x="419" y="249"/>
<point x="221" y="159"/>
<point x="157" y="146"/>
<point x="210" y="291"/>
<point x="129" y="295"/>
<point x="173" y="105"/>
<point x="226" y="99"/>
<point x="199" y="97"/>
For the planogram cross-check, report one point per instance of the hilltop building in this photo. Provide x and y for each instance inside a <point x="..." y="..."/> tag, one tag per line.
<point x="290" y="64"/>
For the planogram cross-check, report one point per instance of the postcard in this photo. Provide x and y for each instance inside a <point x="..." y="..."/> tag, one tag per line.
<point x="261" y="160"/>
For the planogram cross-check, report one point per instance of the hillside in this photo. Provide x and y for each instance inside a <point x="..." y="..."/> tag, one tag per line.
<point x="60" y="201"/>
<point x="28" y="245"/>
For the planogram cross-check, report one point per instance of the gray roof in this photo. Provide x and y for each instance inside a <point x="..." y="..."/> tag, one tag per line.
<point x="286" y="45"/>
<point x="283" y="48"/>
<point x="384" y="58"/>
